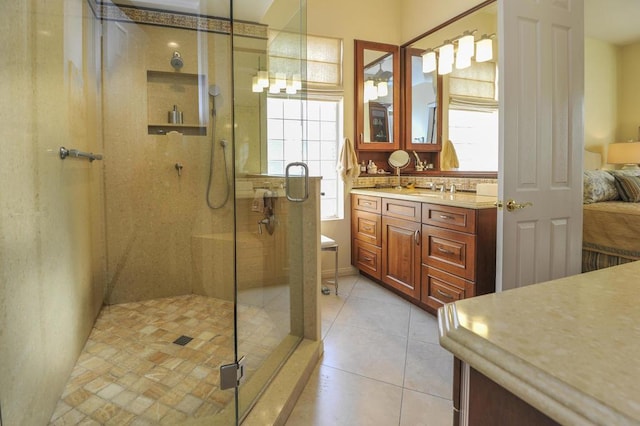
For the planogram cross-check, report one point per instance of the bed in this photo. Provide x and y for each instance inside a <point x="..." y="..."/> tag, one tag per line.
<point x="611" y="218"/>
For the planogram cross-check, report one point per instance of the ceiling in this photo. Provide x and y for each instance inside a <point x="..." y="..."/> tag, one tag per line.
<point x="613" y="21"/>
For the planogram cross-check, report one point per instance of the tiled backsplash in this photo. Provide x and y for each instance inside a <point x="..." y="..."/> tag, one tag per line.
<point x="462" y="184"/>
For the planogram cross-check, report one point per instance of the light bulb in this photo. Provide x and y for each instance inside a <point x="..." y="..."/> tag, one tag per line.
<point x="484" y="49"/>
<point x="383" y="89"/>
<point x="370" y="91"/>
<point x="429" y="61"/>
<point x="263" y="78"/>
<point x="462" y="61"/>
<point x="255" y="86"/>
<point x="446" y="53"/>
<point x="281" y="80"/>
<point x="466" y="45"/>
<point x="297" y="82"/>
<point x="273" y="87"/>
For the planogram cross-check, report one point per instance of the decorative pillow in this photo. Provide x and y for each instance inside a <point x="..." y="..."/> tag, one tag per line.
<point x="599" y="186"/>
<point x="628" y="187"/>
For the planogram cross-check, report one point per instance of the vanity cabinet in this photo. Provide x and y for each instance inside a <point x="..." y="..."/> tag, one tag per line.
<point x="401" y="245"/>
<point x="432" y="254"/>
<point x="458" y="253"/>
<point x="366" y="231"/>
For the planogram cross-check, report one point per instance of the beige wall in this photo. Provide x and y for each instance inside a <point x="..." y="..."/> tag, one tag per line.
<point x="600" y="94"/>
<point x="51" y="236"/>
<point x="611" y="93"/>
<point x="629" y="93"/>
<point x="387" y="21"/>
<point x="159" y="227"/>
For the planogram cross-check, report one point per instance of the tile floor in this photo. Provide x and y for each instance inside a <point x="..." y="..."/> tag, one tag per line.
<point x="131" y="372"/>
<point x="382" y="363"/>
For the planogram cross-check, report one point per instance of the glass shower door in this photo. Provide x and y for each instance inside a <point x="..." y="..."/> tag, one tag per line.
<point x="268" y="136"/>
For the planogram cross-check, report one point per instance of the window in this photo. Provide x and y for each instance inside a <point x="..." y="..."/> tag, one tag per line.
<point x="316" y="119"/>
<point x="321" y="127"/>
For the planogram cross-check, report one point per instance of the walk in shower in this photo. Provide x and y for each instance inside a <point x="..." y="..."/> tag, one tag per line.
<point x="157" y="249"/>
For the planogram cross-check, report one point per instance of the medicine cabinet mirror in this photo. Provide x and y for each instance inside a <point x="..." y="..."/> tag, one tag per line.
<point x="377" y="97"/>
<point x="449" y="105"/>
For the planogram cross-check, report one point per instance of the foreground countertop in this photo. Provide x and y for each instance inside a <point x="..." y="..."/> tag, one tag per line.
<point x="569" y="347"/>
<point x="460" y="199"/>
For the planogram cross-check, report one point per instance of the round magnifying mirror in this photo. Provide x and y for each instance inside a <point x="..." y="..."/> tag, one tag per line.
<point x="399" y="159"/>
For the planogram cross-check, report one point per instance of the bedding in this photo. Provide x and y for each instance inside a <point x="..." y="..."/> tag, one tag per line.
<point x="611" y="234"/>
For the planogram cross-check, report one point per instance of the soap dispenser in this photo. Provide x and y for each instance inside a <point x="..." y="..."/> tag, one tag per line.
<point x="175" y="116"/>
<point x="372" y="169"/>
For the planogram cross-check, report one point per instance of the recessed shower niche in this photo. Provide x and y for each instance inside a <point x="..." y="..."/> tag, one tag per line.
<point x="187" y="92"/>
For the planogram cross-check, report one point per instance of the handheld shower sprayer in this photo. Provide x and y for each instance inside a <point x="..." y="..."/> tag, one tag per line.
<point x="214" y="91"/>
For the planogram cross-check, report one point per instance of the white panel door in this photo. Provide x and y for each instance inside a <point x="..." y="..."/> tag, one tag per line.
<point x="541" y="139"/>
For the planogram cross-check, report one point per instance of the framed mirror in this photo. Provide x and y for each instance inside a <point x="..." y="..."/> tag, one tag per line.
<point x="464" y="116"/>
<point x="377" y="118"/>
<point x="423" y="117"/>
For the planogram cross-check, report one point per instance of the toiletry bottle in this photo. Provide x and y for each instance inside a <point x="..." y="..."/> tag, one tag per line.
<point x="372" y="168"/>
<point x="363" y="167"/>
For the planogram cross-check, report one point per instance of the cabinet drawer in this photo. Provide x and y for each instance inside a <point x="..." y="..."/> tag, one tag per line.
<point x="366" y="227"/>
<point x="367" y="257"/>
<point x="401" y="209"/>
<point x="456" y="218"/>
<point x="366" y="203"/>
<point x="450" y="251"/>
<point x="439" y="288"/>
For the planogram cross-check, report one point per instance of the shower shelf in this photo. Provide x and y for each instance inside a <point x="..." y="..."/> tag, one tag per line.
<point x="185" y="129"/>
<point x="187" y="91"/>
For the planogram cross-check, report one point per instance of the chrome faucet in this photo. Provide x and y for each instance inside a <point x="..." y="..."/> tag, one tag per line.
<point x="453" y="188"/>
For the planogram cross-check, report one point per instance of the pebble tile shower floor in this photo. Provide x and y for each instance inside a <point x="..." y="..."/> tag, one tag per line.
<point x="131" y="371"/>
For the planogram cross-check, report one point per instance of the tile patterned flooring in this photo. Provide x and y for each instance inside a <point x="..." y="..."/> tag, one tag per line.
<point x="131" y="372"/>
<point x="382" y="364"/>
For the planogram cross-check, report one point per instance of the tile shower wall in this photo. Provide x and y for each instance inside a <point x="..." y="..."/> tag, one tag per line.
<point x="162" y="238"/>
<point x="51" y="236"/>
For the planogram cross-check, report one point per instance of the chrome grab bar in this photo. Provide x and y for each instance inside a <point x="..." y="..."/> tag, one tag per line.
<point x="64" y="153"/>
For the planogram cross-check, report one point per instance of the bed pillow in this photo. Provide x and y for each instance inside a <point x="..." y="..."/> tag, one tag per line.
<point x="599" y="186"/>
<point x="628" y="187"/>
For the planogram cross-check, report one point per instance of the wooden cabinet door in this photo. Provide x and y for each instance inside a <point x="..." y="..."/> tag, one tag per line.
<point x="401" y="255"/>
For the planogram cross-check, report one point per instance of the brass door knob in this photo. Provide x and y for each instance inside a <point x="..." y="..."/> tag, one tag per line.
<point x="512" y="205"/>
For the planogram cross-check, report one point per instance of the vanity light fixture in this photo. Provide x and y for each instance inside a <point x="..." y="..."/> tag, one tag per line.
<point x="466" y="44"/>
<point x="462" y="61"/>
<point x="429" y="63"/>
<point x="459" y="50"/>
<point x="383" y="89"/>
<point x="255" y="85"/>
<point x="274" y="87"/>
<point x="484" y="48"/>
<point x="281" y="80"/>
<point x="370" y="91"/>
<point x="445" y="61"/>
<point x="263" y="79"/>
<point x="297" y="82"/>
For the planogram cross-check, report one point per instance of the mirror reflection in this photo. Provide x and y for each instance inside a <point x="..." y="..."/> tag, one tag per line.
<point x="378" y="96"/>
<point x="458" y="61"/>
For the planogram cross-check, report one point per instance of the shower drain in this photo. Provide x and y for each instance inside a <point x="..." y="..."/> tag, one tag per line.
<point x="183" y="340"/>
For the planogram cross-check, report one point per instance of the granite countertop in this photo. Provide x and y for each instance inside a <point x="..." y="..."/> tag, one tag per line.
<point x="460" y="199"/>
<point x="569" y="347"/>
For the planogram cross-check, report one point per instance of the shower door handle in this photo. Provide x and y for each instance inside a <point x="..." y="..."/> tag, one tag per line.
<point x="305" y="175"/>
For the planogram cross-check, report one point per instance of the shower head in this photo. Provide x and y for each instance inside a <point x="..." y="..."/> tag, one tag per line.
<point x="176" y="60"/>
<point x="214" y="90"/>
